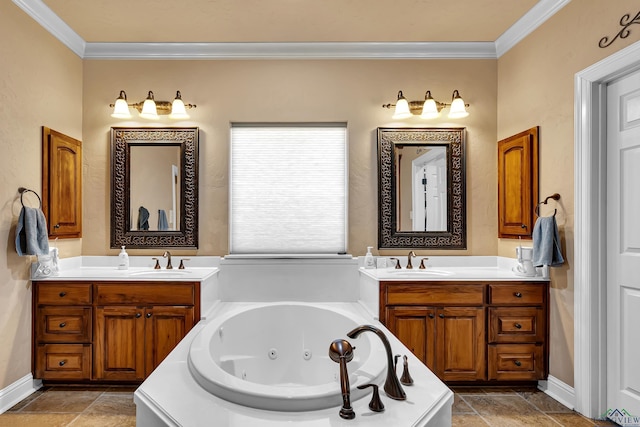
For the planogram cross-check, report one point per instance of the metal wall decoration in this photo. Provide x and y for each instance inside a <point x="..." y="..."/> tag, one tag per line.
<point x="625" y="23"/>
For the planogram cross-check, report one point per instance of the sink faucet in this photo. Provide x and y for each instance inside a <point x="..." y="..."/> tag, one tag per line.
<point x="411" y="254"/>
<point x="167" y="255"/>
<point x="340" y="351"/>
<point x="392" y="385"/>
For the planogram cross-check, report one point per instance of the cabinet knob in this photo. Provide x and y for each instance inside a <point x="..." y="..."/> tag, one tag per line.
<point x="149" y="315"/>
<point x="62" y="294"/>
<point x="517" y="362"/>
<point x="517" y="295"/>
<point x="138" y="315"/>
<point x="56" y="226"/>
<point x="518" y="325"/>
<point x="431" y="316"/>
<point x="63" y="324"/>
<point x="441" y="316"/>
<point x="62" y="362"/>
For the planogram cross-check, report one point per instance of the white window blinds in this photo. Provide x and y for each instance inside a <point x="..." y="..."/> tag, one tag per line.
<point x="288" y="189"/>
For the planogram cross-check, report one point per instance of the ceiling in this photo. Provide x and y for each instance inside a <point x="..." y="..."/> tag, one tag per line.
<point x="98" y="26"/>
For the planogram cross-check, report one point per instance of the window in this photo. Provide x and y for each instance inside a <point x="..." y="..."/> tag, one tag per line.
<point x="288" y="190"/>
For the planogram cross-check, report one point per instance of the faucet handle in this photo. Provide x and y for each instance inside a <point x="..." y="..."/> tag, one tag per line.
<point x="376" y="403"/>
<point x="181" y="267"/>
<point x="398" y="266"/>
<point x="157" y="266"/>
<point x="422" y="266"/>
<point x="406" y="379"/>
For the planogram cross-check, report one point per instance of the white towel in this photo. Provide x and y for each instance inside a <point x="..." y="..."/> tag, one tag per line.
<point x="32" y="237"/>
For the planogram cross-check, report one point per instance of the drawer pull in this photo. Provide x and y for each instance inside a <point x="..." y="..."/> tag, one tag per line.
<point x="517" y="295"/>
<point x="62" y="362"/>
<point x="517" y="362"/>
<point x="149" y="315"/>
<point x="441" y="316"/>
<point x="62" y="294"/>
<point x="138" y="315"/>
<point x="518" y="325"/>
<point x="63" y="324"/>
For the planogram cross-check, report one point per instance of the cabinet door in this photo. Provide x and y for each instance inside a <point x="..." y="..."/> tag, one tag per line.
<point x="164" y="329"/>
<point x="414" y="327"/>
<point x="517" y="183"/>
<point x="62" y="184"/>
<point x="119" y="343"/>
<point x="460" y="344"/>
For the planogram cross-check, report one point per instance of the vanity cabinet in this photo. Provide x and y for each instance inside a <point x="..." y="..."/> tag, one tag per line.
<point x="109" y="331"/>
<point x="470" y="332"/>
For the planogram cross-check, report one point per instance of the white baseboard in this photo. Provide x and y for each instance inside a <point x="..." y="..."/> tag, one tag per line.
<point x="17" y="391"/>
<point x="560" y="391"/>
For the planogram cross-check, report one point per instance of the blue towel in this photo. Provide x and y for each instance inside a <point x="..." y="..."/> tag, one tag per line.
<point x="162" y="220"/>
<point x="143" y="218"/>
<point x="32" y="237"/>
<point x="546" y="242"/>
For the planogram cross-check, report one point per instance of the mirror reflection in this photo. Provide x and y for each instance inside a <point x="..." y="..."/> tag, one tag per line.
<point x="421" y="188"/>
<point x="154" y="187"/>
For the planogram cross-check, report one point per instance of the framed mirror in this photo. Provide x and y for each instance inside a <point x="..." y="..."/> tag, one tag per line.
<point x="154" y="187"/>
<point x="421" y="188"/>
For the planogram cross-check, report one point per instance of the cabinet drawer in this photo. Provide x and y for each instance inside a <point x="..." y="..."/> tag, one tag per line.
<point x="63" y="361"/>
<point x="59" y="293"/>
<point x="145" y="293"/>
<point x="516" y="324"/>
<point x="517" y="362"/>
<point x="420" y="294"/>
<point x="64" y="324"/>
<point x="516" y="294"/>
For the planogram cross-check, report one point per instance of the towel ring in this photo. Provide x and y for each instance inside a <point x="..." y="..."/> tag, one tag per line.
<point x="554" y="196"/>
<point x="23" y="190"/>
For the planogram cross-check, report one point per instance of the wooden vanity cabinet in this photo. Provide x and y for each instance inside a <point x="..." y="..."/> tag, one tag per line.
<point x="471" y="332"/>
<point x="109" y="331"/>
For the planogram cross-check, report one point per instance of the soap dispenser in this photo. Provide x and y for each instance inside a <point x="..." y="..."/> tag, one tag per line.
<point x="369" y="261"/>
<point x="123" y="260"/>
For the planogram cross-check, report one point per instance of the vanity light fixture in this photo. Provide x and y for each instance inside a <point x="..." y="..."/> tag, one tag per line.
<point x="429" y="108"/>
<point x="150" y="108"/>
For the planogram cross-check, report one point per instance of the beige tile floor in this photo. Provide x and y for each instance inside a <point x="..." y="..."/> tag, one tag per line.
<point x="113" y="407"/>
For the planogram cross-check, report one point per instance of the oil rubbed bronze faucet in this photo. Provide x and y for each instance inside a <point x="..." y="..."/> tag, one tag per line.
<point x="167" y="255"/>
<point x="340" y="351"/>
<point x="392" y="385"/>
<point x="409" y="265"/>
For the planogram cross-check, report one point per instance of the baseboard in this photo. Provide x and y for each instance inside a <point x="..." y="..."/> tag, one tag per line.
<point x="17" y="391"/>
<point x="560" y="391"/>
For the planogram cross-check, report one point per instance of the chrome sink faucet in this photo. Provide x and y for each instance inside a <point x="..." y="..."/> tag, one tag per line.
<point x="392" y="385"/>
<point x="409" y="265"/>
<point x="167" y="255"/>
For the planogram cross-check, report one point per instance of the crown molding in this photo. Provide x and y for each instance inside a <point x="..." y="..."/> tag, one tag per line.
<point x="542" y="11"/>
<point x="536" y="16"/>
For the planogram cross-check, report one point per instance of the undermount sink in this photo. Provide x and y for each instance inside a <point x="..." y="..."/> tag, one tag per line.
<point x="160" y="273"/>
<point x="420" y="273"/>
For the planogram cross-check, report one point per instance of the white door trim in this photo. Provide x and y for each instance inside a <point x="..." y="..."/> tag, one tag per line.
<point x="590" y="382"/>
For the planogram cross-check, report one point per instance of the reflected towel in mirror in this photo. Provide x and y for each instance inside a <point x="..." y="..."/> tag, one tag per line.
<point x="163" y="224"/>
<point x="143" y="218"/>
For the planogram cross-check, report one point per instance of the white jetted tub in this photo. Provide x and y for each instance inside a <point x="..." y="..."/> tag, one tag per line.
<point x="275" y="356"/>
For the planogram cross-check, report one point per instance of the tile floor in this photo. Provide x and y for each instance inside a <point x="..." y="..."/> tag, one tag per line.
<point x="113" y="407"/>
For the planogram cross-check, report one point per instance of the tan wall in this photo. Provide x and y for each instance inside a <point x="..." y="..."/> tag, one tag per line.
<point x="39" y="86"/>
<point x="294" y="91"/>
<point x="535" y="87"/>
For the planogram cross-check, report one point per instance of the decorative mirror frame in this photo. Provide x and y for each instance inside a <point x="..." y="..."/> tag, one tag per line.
<point x="389" y="237"/>
<point x="121" y="232"/>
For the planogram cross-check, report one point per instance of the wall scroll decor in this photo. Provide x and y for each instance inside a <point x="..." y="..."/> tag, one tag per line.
<point x="625" y="23"/>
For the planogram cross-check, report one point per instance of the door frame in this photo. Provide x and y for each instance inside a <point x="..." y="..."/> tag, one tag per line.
<point x="590" y="327"/>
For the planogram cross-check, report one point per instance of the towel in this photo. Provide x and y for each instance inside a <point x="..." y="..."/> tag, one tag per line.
<point x="143" y="218"/>
<point x="32" y="237"/>
<point x="546" y="242"/>
<point x="162" y="220"/>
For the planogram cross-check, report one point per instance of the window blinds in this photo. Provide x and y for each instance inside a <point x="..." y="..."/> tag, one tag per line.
<point x="288" y="190"/>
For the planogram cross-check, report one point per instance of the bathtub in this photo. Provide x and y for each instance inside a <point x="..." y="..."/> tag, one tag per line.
<point x="274" y="356"/>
